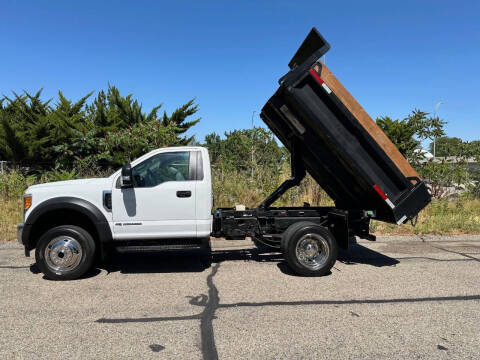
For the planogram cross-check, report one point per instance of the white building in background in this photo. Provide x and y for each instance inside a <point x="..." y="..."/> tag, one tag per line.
<point x="424" y="154"/>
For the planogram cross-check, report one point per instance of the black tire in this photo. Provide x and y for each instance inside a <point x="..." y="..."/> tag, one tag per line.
<point x="206" y="245"/>
<point x="206" y="249"/>
<point x="309" y="232"/>
<point x="74" y="245"/>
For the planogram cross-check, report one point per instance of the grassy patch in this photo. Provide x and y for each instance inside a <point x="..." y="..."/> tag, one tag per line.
<point x="10" y="216"/>
<point x="440" y="217"/>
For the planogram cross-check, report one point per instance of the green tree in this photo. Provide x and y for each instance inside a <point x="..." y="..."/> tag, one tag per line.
<point x="407" y="134"/>
<point x="475" y="150"/>
<point x="120" y="146"/>
<point x="32" y="128"/>
<point x="245" y="149"/>
<point x="177" y="121"/>
<point x="109" y="131"/>
<point x="452" y="172"/>
<point x="446" y="146"/>
<point x="126" y="132"/>
<point x="401" y="133"/>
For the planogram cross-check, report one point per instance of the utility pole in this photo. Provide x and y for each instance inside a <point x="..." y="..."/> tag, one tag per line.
<point x="253" y="114"/>
<point x="435" y="115"/>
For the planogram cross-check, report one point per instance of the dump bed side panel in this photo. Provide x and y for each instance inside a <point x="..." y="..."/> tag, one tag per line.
<point x="367" y="122"/>
<point x="351" y="158"/>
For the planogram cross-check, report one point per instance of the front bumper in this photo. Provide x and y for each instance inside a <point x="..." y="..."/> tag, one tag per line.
<point x="20" y="238"/>
<point x="20" y="232"/>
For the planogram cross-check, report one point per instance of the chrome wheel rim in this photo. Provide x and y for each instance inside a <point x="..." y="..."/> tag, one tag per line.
<point x="312" y="251"/>
<point x="63" y="253"/>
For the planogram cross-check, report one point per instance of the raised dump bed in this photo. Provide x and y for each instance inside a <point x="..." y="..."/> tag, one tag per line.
<point x="338" y="143"/>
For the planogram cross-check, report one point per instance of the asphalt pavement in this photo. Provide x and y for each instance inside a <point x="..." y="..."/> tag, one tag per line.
<point x="397" y="298"/>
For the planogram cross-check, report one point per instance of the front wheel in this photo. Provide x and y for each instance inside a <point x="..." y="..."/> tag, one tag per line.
<point x="65" y="252"/>
<point x="309" y="249"/>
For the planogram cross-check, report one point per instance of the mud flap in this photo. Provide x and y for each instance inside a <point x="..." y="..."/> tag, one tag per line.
<point x="338" y="220"/>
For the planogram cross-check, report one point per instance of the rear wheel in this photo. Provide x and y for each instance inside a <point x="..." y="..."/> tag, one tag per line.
<point x="309" y="249"/>
<point x="65" y="252"/>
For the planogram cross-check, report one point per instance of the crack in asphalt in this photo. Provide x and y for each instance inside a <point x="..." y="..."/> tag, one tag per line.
<point x="349" y="302"/>
<point x="149" y="319"/>
<point x="456" y="252"/>
<point x="430" y="259"/>
<point x="14" y="267"/>
<point x="209" y="315"/>
<point x="375" y="261"/>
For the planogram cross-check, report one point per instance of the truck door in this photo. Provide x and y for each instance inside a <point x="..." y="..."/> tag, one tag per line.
<point x="161" y="203"/>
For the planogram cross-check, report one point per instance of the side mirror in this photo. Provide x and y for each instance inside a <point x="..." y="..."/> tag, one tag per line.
<point x="127" y="178"/>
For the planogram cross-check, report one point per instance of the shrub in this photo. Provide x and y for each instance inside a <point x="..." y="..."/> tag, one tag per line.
<point x="13" y="183"/>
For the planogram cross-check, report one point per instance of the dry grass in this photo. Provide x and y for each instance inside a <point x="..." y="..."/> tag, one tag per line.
<point x="237" y="188"/>
<point x="440" y="217"/>
<point x="10" y="216"/>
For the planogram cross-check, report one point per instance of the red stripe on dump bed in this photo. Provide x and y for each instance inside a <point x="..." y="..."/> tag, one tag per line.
<point x="380" y="192"/>
<point x="315" y="75"/>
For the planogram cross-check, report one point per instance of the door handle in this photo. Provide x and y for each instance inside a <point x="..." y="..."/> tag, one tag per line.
<point x="184" y="194"/>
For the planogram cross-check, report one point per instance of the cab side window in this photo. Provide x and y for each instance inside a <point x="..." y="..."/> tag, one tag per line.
<point x="160" y="168"/>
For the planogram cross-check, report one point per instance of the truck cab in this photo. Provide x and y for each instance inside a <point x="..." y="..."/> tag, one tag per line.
<point x="169" y="196"/>
<point x="163" y="197"/>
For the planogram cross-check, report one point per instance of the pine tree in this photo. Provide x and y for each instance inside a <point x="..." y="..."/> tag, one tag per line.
<point x="112" y="129"/>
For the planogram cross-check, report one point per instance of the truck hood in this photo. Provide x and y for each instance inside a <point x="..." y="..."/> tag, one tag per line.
<point x="71" y="183"/>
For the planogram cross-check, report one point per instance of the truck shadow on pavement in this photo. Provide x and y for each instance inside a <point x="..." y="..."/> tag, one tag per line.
<point x="93" y="272"/>
<point x="359" y="254"/>
<point x="198" y="261"/>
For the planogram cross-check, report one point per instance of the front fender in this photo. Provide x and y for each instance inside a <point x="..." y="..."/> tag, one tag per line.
<point x="67" y="203"/>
